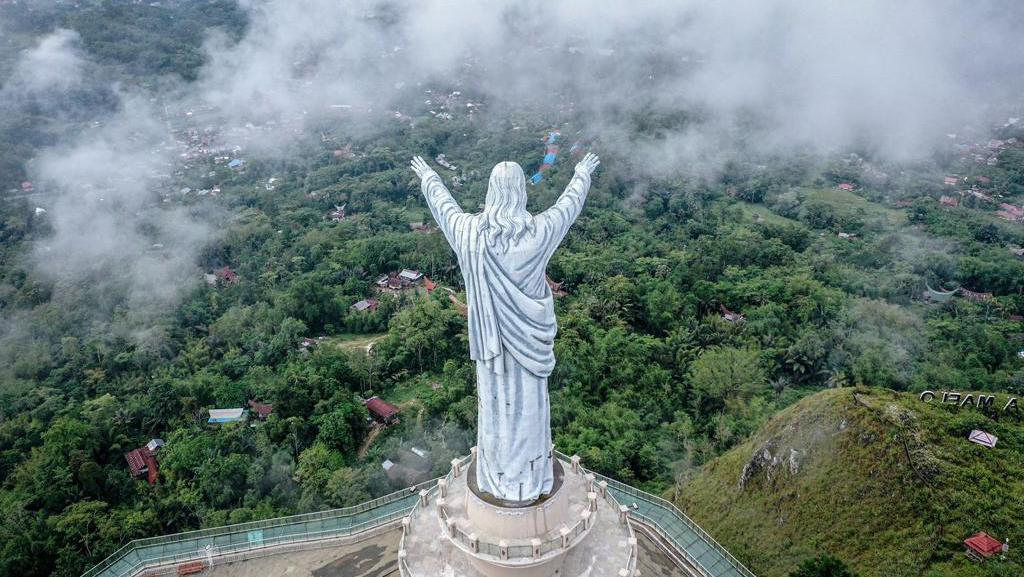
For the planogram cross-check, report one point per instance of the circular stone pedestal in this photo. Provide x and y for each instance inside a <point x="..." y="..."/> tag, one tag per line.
<point x="578" y="530"/>
<point x="485" y="514"/>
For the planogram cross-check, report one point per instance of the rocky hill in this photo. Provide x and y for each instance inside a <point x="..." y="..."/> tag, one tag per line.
<point x="883" y="480"/>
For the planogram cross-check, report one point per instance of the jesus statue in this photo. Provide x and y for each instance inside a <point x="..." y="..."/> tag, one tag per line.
<point x="503" y="252"/>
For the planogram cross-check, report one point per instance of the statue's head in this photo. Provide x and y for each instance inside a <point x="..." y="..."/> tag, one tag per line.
<point x="505" y="216"/>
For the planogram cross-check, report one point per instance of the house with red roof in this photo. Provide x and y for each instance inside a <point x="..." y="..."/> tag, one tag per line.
<point x="731" y="316"/>
<point x="226" y="275"/>
<point x="975" y="296"/>
<point x="338" y="214"/>
<point x="1010" y="212"/>
<point x="261" y="410"/>
<point x="402" y="280"/>
<point x="142" y="461"/>
<point x="381" y="411"/>
<point x="981" y="546"/>
<point x="556" y="287"/>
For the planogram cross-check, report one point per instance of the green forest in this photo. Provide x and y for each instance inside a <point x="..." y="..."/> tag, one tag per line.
<point x="694" y="311"/>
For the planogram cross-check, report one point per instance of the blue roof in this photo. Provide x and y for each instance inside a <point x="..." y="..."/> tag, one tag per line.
<point x="235" y="163"/>
<point x="536" y="178"/>
<point x="549" y="158"/>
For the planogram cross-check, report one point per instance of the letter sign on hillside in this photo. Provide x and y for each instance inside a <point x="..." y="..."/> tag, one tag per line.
<point x="962" y="400"/>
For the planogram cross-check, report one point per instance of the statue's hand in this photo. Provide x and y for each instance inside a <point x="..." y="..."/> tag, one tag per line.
<point x="421" y="167"/>
<point x="588" y="164"/>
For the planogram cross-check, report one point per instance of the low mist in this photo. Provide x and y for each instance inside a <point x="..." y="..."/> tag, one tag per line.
<point x="723" y="80"/>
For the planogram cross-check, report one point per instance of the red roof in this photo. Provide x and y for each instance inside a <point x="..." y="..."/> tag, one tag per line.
<point x="1016" y="211"/>
<point x="226" y="274"/>
<point x="556" y="287"/>
<point x="983" y="544"/>
<point x="262" y="410"/>
<point x="845" y="186"/>
<point x="975" y="296"/>
<point x="136" y="462"/>
<point x="730" y="315"/>
<point x="380" y="408"/>
<point x="142" y="462"/>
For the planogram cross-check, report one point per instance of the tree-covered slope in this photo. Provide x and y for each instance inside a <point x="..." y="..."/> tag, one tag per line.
<point x="886" y="482"/>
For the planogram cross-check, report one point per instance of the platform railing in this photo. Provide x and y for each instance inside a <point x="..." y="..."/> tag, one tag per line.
<point x="680" y="517"/>
<point x="576" y="532"/>
<point x="656" y="527"/>
<point x="204" y="544"/>
<point x="309" y="527"/>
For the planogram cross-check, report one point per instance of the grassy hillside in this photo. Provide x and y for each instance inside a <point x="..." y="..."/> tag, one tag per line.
<point x="884" y="481"/>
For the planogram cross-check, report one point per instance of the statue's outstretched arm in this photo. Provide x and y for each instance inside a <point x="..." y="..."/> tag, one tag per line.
<point x="442" y="205"/>
<point x="563" y="213"/>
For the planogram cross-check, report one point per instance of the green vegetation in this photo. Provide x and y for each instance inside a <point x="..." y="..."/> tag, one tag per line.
<point x="823" y="566"/>
<point x="653" y="384"/>
<point x="882" y="480"/>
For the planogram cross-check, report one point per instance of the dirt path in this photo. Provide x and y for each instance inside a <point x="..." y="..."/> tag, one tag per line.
<point x="370" y="438"/>
<point x="364" y="344"/>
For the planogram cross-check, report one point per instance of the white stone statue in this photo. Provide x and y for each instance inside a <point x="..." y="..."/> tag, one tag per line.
<point x="503" y="253"/>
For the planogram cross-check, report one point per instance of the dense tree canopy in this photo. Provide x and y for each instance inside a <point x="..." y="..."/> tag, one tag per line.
<point x="653" y="378"/>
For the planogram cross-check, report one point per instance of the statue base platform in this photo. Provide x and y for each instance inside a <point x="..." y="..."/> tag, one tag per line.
<point x="578" y="530"/>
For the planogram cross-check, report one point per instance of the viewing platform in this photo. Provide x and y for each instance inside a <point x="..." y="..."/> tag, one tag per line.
<point x="656" y="522"/>
<point x="577" y="529"/>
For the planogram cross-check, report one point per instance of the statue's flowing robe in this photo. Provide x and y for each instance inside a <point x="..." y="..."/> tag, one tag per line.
<point x="511" y="337"/>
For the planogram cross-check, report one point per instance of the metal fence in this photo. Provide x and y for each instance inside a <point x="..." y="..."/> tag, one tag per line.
<point x="696" y="546"/>
<point x="231" y="539"/>
<point x="702" y="549"/>
<point x="514" y="551"/>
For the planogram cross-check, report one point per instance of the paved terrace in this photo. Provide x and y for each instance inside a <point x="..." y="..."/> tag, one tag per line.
<point x="702" y="555"/>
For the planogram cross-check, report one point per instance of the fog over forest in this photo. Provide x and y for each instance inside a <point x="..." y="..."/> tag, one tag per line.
<point x="207" y="204"/>
<point x="743" y="77"/>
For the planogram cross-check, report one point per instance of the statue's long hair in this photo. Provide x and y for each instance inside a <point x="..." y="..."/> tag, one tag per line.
<point x="505" y="217"/>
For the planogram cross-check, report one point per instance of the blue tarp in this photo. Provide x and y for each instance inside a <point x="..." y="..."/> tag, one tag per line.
<point x="226" y="420"/>
<point x="536" y="178"/>
<point x="549" y="158"/>
<point x="235" y="163"/>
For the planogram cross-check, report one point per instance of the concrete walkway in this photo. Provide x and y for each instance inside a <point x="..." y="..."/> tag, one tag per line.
<point x="683" y="535"/>
<point x="694" y="545"/>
